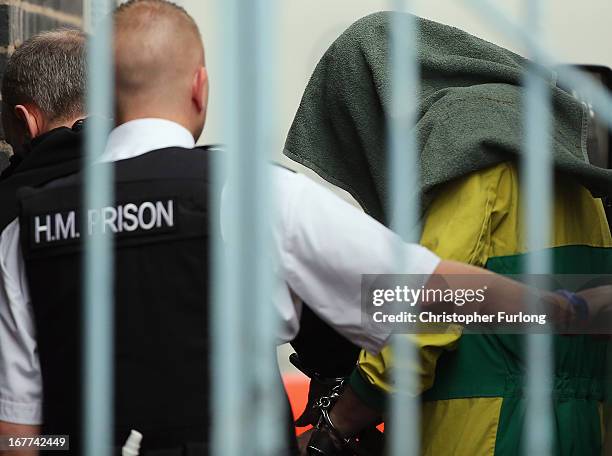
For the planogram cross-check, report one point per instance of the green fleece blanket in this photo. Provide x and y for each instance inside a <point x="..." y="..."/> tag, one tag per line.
<point x="469" y="115"/>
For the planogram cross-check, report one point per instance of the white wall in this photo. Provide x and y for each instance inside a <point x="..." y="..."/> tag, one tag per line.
<point x="578" y="30"/>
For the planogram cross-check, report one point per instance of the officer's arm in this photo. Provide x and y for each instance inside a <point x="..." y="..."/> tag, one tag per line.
<point x="506" y="295"/>
<point x="17" y="430"/>
<point x="20" y="378"/>
<point x="327" y="245"/>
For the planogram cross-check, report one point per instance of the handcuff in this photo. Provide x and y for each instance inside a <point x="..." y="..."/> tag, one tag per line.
<point x="326" y="439"/>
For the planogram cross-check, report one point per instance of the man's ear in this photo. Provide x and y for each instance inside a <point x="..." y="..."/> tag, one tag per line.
<point x="199" y="90"/>
<point x="32" y="119"/>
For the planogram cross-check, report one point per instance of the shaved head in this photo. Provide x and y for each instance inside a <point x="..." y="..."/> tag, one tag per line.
<point x="158" y="53"/>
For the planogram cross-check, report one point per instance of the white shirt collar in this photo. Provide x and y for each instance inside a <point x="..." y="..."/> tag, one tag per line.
<point x="140" y="136"/>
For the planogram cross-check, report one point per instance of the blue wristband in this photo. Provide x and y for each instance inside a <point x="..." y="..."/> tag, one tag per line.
<point x="579" y="304"/>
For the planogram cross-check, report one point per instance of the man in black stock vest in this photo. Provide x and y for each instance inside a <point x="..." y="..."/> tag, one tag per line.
<point x="43" y="107"/>
<point x="160" y="220"/>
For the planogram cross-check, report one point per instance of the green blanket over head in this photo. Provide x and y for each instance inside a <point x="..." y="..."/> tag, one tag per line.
<point x="469" y="117"/>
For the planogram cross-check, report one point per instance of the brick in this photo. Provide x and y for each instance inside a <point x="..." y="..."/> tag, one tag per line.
<point x="68" y="6"/>
<point x="4" y="24"/>
<point x="3" y="58"/>
<point x="33" y="23"/>
<point x="26" y="21"/>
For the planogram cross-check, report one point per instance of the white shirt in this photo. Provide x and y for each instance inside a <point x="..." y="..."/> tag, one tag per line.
<point x="323" y="246"/>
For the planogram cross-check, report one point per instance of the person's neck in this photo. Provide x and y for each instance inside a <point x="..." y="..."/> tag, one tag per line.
<point x="67" y="123"/>
<point x="122" y="118"/>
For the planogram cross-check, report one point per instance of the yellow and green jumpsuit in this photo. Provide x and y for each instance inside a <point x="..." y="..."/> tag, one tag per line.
<point x="472" y="385"/>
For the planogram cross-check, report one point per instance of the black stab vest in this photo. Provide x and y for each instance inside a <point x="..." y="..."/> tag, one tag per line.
<point x="161" y="224"/>
<point x="48" y="157"/>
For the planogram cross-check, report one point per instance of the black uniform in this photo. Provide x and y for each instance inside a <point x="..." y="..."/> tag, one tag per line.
<point x="48" y="157"/>
<point x="161" y="223"/>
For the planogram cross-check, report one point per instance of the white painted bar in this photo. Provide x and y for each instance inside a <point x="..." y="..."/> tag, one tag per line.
<point x="537" y="191"/>
<point x="98" y="291"/>
<point x="246" y="387"/>
<point x="403" y="172"/>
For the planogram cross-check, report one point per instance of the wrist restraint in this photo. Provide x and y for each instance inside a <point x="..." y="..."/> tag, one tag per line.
<point x="578" y="305"/>
<point x="326" y="439"/>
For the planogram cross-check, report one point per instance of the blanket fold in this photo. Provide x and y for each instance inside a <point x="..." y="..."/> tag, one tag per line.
<point x="469" y="114"/>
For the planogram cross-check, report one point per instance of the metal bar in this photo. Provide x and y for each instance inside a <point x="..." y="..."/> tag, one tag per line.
<point x="228" y="396"/>
<point x="246" y="383"/>
<point x="98" y="292"/>
<point x="270" y="433"/>
<point x="537" y="196"/>
<point x="403" y="172"/>
<point x="537" y="173"/>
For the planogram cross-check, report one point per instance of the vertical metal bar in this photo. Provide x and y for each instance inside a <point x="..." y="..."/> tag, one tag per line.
<point x="246" y="383"/>
<point x="98" y="291"/>
<point x="270" y="432"/>
<point x="537" y="196"/>
<point x="228" y="395"/>
<point x="404" y="204"/>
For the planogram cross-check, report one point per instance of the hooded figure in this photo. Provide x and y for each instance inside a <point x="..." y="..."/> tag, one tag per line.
<point x="470" y="133"/>
<point x="469" y="113"/>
